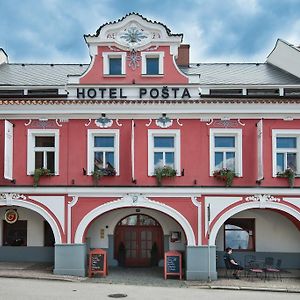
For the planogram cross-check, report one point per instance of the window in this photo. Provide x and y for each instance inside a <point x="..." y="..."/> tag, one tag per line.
<point x="15" y="234"/>
<point x="240" y="234"/>
<point x="226" y="150"/>
<point x="152" y="63"/>
<point x="286" y="147"/>
<point x="114" y="63"/>
<point x="103" y="150"/>
<point x="115" y="66"/>
<point x="42" y="150"/>
<point x="163" y="149"/>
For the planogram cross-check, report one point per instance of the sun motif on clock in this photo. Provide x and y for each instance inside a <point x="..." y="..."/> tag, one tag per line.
<point x="133" y="35"/>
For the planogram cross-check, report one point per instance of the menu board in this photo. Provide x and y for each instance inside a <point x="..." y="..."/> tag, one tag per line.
<point x="173" y="264"/>
<point x="97" y="262"/>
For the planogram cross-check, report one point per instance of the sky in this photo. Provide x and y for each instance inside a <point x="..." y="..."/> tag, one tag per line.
<point x="51" y="31"/>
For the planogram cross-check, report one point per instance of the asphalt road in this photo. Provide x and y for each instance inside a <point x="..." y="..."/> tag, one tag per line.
<point x="23" y="289"/>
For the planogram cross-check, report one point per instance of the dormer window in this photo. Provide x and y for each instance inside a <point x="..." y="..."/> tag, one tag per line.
<point x="152" y="63"/>
<point x="114" y="63"/>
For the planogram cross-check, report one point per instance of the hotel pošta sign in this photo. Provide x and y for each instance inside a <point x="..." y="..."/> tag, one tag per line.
<point x="136" y="92"/>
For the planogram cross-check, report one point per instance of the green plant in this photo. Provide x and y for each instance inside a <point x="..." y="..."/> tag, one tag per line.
<point x="100" y="172"/>
<point x="290" y="174"/>
<point x="38" y="173"/>
<point x="165" y="171"/>
<point x="226" y="175"/>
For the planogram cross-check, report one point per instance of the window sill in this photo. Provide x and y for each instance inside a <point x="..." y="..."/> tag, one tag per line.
<point x="114" y="76"/>
<point x="152" y="75"/>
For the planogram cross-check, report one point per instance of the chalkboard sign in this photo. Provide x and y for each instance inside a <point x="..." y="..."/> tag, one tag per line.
<point x="97" y="262"/>
<point x="173" y="264"/>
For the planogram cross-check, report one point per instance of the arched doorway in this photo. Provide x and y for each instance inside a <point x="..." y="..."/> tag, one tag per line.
<point x="138" y="241"/>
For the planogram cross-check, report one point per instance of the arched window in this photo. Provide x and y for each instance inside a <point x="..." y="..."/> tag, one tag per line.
<point x="138" y="220"/>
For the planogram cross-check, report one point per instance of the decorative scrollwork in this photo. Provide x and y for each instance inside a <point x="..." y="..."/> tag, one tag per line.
<point x="88" y="124"/>
<point x="9" y="197"/>
<point x="150" y="122"/>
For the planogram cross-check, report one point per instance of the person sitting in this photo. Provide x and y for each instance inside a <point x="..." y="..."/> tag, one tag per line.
<point x="232" y="263"/>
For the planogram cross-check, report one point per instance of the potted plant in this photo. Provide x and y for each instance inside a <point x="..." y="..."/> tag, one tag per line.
<point x="154" y="255"/>
<point x="226" y="175"/>
<point x="290" y="174"/>
<point x="38" y="173"/>
<point x="100" y="172"/>
<point x="165" y="171"/>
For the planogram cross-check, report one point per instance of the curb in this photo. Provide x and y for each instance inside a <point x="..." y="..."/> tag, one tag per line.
<point x="255" y="289"/>
<point x="42" y="278"/>
<point x="213" y="287"/>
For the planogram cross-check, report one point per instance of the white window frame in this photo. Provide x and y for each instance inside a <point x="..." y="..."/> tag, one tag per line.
<point x="107" y="55"/>
<point x="163" y="133"/>
<point x="295" y="133"/>
<point x="31" y="134"/>
<point x="237" y="133"/>
<point x="90" y="148"/>
<point x="160" y="56"/>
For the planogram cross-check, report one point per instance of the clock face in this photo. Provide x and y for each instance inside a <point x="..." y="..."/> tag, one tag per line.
<point x="11" y="216"/>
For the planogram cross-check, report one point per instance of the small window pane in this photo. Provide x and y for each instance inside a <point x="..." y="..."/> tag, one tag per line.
<point x="110" y="159"/>
<point x="98" y="161"/>
<point x="225" y="141"/>
<point x="104" y="141"/>
<point x="39" y="160"/>
<point x="115" y="66"/>
<point x="218" y="160"/>
<point x="158" y="160"/>
<point x="286" y="142"/>
<point x="50" y="162"/>
<point x="280" y="162"/>
<point x="164" y="141"/>
<point x="152" y="65"/>
<point x="170" y="159"/>
<point x="292" y="161"/>
<point x="44" y="141"/>
<point x="237" y="239"/>
<point x="230" y="160"/>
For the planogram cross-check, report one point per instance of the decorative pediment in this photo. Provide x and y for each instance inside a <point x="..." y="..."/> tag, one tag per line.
<point x="134" y="32"/>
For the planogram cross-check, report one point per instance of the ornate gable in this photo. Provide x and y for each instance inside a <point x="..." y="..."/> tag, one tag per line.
<point x="134" y="32"/>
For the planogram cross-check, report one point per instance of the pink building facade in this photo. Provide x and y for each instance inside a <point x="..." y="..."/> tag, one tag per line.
<point x="135" y="154"/>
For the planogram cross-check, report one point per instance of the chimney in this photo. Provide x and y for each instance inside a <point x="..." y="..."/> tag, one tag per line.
<point x="3" y="57"/>
<point x="183" y="58"/>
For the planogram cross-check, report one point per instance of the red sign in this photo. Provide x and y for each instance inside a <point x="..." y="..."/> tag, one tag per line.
<point x="98" y="262"/>
<point x="173" y="264"/>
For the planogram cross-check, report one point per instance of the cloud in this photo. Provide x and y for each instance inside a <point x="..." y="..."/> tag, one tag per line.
<point x="228" y="30"/>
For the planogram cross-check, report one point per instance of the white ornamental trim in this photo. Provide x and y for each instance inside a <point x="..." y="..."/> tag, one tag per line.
<point x="10" y="197"/>
<point x="262" y="198"/>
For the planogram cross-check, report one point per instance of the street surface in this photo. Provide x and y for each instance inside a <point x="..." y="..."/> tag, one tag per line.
<point x="11" y="289"/>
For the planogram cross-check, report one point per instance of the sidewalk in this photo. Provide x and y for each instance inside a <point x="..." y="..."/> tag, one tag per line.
<point x="151" y="277"/>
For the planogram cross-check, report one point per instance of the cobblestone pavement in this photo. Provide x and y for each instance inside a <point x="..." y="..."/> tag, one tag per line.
<point x="151" y="277"/>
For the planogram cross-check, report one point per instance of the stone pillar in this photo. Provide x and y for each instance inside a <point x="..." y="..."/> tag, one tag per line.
<point x="70" y="259"/>
<point x="197" y="263"/>
<point x="110" y="252"/>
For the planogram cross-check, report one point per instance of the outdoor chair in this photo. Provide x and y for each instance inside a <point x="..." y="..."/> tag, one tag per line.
<point x="271" y="269"/>
<point x="255" y="270"/>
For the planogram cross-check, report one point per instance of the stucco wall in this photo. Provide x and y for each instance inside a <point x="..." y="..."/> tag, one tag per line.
<point x="273" y="232"/>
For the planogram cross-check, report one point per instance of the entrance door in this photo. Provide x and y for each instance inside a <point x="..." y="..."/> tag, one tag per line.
<point x="138" y="241"/>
